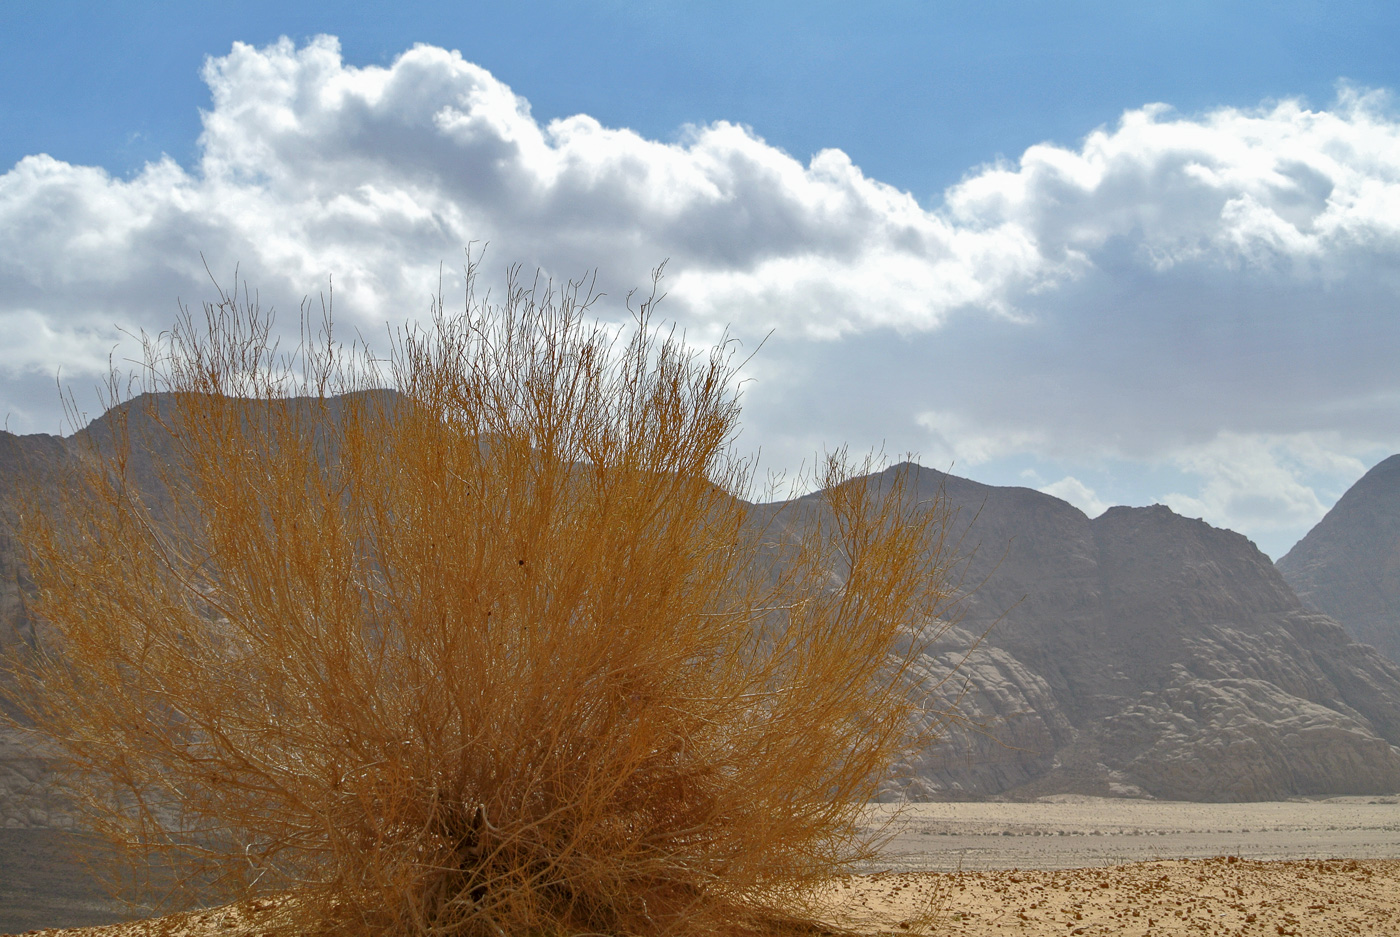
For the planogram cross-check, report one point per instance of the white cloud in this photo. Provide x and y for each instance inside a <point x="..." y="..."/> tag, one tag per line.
<point x="1261" y="483"/>
<point x="1277" y="187"/>
<point x="1156" y="293"/>
<point x="311" y="168"/>
<point x="1078" y="494"/>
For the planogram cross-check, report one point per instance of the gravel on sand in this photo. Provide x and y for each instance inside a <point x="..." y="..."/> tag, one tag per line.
<point x="1219" y="896"/>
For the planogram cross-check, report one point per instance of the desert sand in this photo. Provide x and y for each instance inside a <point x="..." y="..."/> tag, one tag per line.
<point x="1069" y="831"/>
<point x="1221" y="896"/>
<point x="1078" y="866"/>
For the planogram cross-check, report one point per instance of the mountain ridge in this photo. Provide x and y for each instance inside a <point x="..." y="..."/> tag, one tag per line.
<point x="1138" y="653"/>
<point x="1163" y="644"/>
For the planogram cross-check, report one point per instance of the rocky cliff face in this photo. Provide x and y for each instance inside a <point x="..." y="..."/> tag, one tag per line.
<point x="26" y="798"/>
<point x="1146" y="653"/>
<point x="1348" y="566"/>
<point x="1139" y="654"/>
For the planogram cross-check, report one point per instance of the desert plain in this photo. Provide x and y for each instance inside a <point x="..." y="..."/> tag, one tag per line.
<point x="1075" y="866"/>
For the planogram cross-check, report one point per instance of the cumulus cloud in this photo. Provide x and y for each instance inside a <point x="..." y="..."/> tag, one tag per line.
<point x="311" y="168"/>
<point x="1282" y="187"/>
<point x="1172" y="289"/>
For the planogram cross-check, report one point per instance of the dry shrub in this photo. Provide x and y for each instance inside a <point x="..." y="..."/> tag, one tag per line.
<point x="501" y="650"/>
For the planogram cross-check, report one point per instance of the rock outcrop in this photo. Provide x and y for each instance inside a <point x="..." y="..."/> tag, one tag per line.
<point x="1348" y="566"/>
<point x="1144" y="653"/>
<point x="26" y="797"/>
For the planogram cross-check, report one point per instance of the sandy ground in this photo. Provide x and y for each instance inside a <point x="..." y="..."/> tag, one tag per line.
<point x="1221" y="896"/>
<point x="1080" y="866"/>
<point x="1072" y="832"/>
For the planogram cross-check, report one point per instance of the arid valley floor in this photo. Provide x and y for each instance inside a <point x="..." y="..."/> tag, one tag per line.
<point x="1075" y="866"/>
<point x="1074" y="832"/>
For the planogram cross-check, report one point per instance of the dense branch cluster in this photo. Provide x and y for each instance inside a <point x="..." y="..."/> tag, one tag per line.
<point x="485" y="640"/>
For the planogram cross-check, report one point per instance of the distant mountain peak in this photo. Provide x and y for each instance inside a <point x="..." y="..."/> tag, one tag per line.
<point x="1348" y="565"/>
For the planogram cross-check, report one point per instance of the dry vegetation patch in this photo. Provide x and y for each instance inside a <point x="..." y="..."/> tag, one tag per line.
<point x="485" y="642"/>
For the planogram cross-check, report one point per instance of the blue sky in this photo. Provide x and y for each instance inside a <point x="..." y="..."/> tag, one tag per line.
<point x="969" y="226"/>
<point x="918" y="93"/>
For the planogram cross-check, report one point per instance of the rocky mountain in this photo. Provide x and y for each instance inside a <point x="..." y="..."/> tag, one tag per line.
<point x="1138" y="654"/>
<point x="1144" y="653"/>
<point x="25" y="461"/>
<point x="1348" y="566"/>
